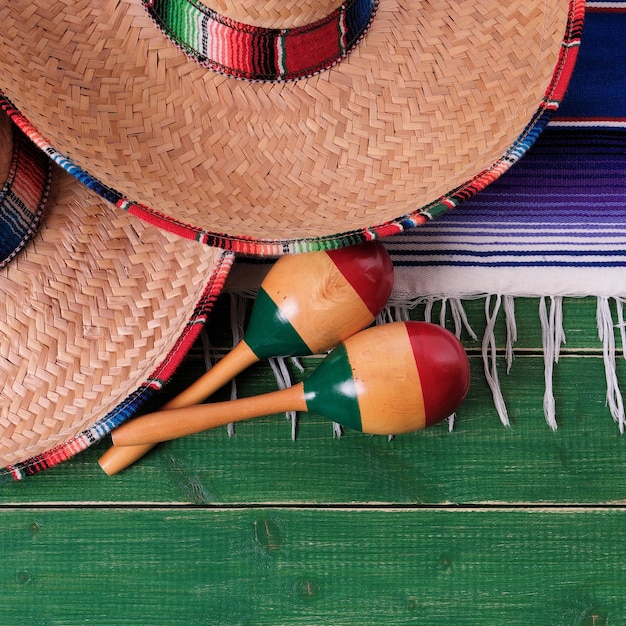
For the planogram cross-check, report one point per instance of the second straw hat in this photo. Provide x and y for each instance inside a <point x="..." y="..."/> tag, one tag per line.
<point x="97" y="309"/>
<point x="284" y="126"/>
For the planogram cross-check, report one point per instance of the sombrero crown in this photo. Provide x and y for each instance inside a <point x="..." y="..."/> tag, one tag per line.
<point x="434" y="100"/>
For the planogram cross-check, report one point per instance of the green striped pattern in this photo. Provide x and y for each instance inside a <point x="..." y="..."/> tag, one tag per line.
<point x="180" y="17"/>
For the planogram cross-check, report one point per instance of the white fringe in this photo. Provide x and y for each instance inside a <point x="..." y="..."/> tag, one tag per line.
<point x="607" y="337"/>
<point x="283" y="380"/>
<point x="620" y="324"/>
<point x="237" y="320"/>
<point x="553" y="338"/>
<point x="459" y="317"/>
<point x="489" y="359"/>
<point x="552" y="335"/>
<point x="508" y="304"/>
<point x="206" y="349"/>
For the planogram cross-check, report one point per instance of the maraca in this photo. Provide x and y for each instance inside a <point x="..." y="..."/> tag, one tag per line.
<point x="307" y="303"/>
<point x="385" y="380"/>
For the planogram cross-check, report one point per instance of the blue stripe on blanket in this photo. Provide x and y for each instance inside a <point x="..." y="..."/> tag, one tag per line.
<point x="597" y="88"/>
<point x="554" y="225"/>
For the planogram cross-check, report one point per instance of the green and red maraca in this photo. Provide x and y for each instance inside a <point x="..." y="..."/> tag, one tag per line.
<point x="306" y="304"/>
<point x="385" y="380"/>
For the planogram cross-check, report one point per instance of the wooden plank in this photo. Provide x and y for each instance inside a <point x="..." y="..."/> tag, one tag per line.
<point x="309" y="566"/>
<point x="482" y="525"/>
<point x="480" y="461"/>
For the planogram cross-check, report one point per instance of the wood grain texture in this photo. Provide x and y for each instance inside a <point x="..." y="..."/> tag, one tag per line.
<point x="281" y="566"/>
<point x="480" y="461"/>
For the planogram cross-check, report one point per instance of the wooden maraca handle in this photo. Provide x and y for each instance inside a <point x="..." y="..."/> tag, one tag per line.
<point x="171" y="424"/>
<point x="116" y="458"/>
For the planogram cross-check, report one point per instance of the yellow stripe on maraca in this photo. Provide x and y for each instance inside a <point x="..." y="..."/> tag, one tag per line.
<point x="393" y="403"/>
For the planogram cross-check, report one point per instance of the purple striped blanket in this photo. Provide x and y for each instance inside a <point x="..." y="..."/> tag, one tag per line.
<point x="554" y="225"/>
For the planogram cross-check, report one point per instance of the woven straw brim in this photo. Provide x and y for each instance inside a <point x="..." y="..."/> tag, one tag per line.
<point x="436" y="95"/>
<point x="98" y="308"/>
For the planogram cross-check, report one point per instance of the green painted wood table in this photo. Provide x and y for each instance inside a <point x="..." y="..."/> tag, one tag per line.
<point x="481" y="525"/>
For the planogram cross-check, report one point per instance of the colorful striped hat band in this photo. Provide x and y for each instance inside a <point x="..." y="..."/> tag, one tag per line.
<point x="265" y="54"/>
<point x="348" y="122"/>
<point x="22" y="197"/>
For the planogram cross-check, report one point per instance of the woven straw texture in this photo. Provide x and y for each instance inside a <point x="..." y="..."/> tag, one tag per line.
<point x="88" y="310"/>
<point x="436" y="93"/>
<point x="285" y="14"/>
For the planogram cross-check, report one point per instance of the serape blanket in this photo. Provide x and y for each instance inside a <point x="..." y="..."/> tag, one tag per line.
<point x="553" y="226"/>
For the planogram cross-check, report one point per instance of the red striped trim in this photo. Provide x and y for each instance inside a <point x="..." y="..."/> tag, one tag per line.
<point x="22" y="196"/>
<point x="605" y="7"/>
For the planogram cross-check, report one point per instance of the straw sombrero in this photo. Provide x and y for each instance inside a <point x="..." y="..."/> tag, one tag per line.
<point x="97" y="309"/>
<point x="347" y="122"/>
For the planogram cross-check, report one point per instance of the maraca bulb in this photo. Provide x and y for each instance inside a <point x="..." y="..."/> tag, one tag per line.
<point x="418" y="376"/>
<point x="309" y="303"/>
<point x="368" y="268"/>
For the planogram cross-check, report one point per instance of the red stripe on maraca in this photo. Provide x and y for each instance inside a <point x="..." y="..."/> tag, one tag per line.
<point x="368" y="268"/>
<point x="443" y="368"/>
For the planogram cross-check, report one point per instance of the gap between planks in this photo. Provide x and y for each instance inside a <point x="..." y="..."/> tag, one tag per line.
<point x="377" y="507"/>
